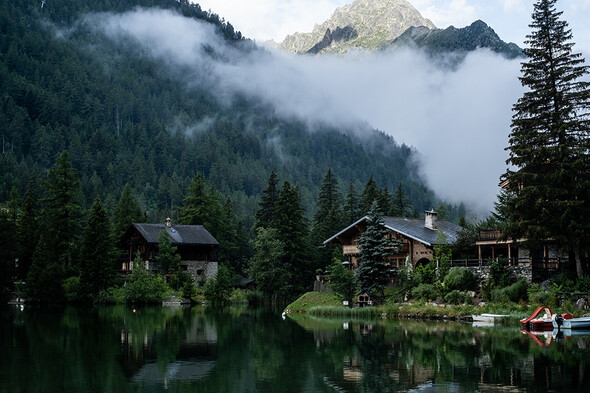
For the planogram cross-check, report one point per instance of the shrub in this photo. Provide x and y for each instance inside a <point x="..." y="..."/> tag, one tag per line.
<point x="219" y="289"/>
<point x="144" y="287"/>
<point x="188" y="290"/>
<point x="112" y="295"/>
<point x="424" y="292"/>
<point x="457" y="297"/>
<point x="461" y="279"/>
<point x="255" y="296"/>
<point x="500" y="275"/>
<point x="583" y="284"/>
<point x="426" y="274"/>
<point x="180" y="279"/>
<point x="72" y="288"/>
<point x="538" y="295"/>
<point x="514" y="293"/>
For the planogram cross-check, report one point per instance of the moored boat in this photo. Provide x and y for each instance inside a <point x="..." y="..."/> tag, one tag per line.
<point x="572" y="323"/>
<point x="539" y="320"/>
<point x="487" y="318"/>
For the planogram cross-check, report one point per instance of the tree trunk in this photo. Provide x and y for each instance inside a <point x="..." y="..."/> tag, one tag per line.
<point x="579" y="269"/>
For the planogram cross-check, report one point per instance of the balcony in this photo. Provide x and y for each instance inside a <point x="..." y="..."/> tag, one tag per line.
<point x="489" y="235"/>
<point x="350" y="250"/>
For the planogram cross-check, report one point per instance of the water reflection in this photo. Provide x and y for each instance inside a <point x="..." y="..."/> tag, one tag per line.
<point x="196" y="349"/>
<point x="435" y="356"/>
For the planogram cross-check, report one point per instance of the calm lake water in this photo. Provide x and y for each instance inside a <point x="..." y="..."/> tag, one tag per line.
<point x="159" y="349"/>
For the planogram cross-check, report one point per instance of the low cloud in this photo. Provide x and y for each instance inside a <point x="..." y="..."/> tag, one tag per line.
<point x="459" y="120"/>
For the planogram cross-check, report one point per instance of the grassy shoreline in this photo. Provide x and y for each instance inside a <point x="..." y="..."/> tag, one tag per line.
<point x="329" y="305"/>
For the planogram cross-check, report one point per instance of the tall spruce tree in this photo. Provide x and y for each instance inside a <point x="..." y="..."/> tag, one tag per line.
<point x="62" y="212"/>
<point x="28" y="235"/>
<point x="202" y="206"/>
<point x="369" y="195"/>
<point x="167" y="258"/>
<point x="97" y="252"/>
<point x="126" y="212"/>
<point x="549" y="143"/>
<point x="327" y="220"/>
<point x="266" y="207"/>
<point x="292" y="230"/>
<point x="351" y="209"/>
<point x="401" y="206"/>
<point x="373" y="273"/>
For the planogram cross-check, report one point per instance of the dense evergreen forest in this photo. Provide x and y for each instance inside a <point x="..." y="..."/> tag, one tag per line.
<point x="127" y="125"/>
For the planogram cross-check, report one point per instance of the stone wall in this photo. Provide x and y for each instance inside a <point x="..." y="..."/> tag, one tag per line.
<point x="522" y="270"/>
<point x="199" y="268"/>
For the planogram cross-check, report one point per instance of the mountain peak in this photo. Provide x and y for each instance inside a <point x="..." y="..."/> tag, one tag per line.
<point x="454" y="40"/>
<point x="364" y="24"/>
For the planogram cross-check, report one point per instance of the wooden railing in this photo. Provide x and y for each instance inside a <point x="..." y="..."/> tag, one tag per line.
<point x="545" y="263"/>
<point x="349" y="250"/>
<point x="488" y="235"/>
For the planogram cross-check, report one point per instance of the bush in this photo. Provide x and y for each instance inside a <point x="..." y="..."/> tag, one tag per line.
<point x="583" y="284"/>
<point x="180" y="280"/>
<point x="514" y="293"/>
<point x="219" y="289"/>
<point x="72" y="289"/>
<point x="112" y="295"/>
<point x="500" y="275"/>
<point x="460" y="279"/>
<point x="424" y="292"/>
<point x="255" y="296"/>
<point x="426" y="274"/>
<point x="538" y="295"/>
<point x="457" y="297"/>
<point x="144" y="287"/>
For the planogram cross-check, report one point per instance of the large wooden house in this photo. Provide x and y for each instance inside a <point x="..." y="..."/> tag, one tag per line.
<point x="417" y="236"/>
<point x="195" y="245"/>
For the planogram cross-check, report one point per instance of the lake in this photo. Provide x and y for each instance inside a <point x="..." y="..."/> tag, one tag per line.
<point x="239" y="349"/>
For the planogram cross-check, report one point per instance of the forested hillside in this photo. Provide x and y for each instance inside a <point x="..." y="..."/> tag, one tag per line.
<point x="97" y="132"/>
<point x="125" y="118"/>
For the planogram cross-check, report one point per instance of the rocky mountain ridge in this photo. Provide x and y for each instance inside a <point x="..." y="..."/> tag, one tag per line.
<point x="454" y="40"/>
<point x="367" y="24"/>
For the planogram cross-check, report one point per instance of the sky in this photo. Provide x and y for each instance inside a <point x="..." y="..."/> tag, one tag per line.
<point x="457" y="120"/>
<point x="263" y="20"/>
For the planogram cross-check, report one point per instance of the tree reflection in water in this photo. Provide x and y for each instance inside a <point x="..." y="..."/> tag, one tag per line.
<point x="157" y="349"/>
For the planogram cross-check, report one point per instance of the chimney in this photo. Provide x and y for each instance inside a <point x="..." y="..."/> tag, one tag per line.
<point x="168" y="222"/>
<point x="430" y="220"/>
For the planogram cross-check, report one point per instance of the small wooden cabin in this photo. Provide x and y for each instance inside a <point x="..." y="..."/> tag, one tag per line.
<point x="196" y="246"/>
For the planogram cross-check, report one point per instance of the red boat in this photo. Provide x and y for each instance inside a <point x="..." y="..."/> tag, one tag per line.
<point x="541" y="319"/>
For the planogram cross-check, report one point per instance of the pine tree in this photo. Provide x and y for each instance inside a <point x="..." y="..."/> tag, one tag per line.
<point x="351" y="209"/>
<point x="328" y="218"/>
<point x="62" y="211"/>
<point x="266" y="207"/>
<point x="273" y="277"/>
<point x="202" y="206"/>
<point x="97" y="253"/>
<point x="292" y="230"/>
<point x="28" y="235"/>
<point x="7" y="250"/>
<point x="369" y="195"/>
<point x="167" y="258"/>
<point x="402" y="207"/>
<point x="549" y="144"/>
<point x="126" y="212"/>
<point x="373" y="273"/>
<point x="44" y="280"/>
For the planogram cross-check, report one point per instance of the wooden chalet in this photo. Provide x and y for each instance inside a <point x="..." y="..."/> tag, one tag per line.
<point x="417" y="236"/>
<point x="196" y="246"/>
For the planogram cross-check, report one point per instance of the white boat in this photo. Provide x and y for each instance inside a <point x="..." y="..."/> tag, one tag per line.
<point x="487" y="318"/>
<point x="574" y="323"/>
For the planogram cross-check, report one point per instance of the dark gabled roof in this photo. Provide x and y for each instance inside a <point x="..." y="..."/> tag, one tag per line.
<point x="179" y="234"/>
<point x="413" y="228"/>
